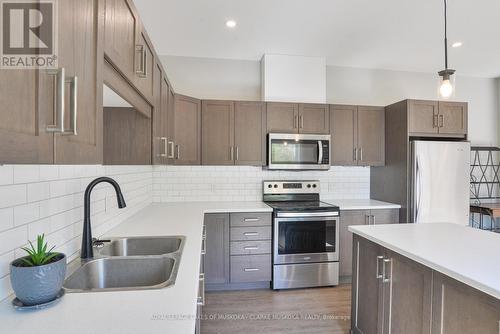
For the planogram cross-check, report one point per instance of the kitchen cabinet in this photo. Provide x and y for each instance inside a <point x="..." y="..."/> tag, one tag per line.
<point x="458" y="308"/>
<point x="170" y="124"/>
<point x="144" y="65"/>
<point x="217" y="127"/>
<point x="314" y="118"/>
<point x="391" y="294"/>
<point x="437" y="119"/>
<point x="298" y="118"/>
<point x="358" y="135"/>
<point x="28" y="98"/>
<point x="217" y="248"/>
<point x="186" y="130"/>
<point x="120" y="33"/>
<point x="250" y="133"/>
<point x="161" y="148"/>
<point x="359" y="217"/>
<point x="233" y="133"/>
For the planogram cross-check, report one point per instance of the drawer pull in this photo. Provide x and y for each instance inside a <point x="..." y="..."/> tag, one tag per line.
<point x="251" y="248"/>
<point x="248" y="220"/>
<point x="250" y="269"/>
<point x="249" y="234"/>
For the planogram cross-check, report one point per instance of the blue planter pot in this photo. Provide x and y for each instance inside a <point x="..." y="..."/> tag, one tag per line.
<point x="40" y="284"/>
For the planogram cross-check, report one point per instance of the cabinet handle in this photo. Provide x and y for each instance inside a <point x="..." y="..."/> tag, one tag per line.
<point x="295" y="121"/>
<point x="204" y="245"/>
<point x="170" y="149"/>
<point x="231" y="153"/>
<point x="178" y="149"/>
<point x="301" y="121"/>
<point x="142" y="70"/>
<point x="201" y="299"/>
<point x="373" y="219"/>
<point x="249" y="234"/>
<point x="237" y="153"/>
<point x="73" y="106"/>
<point x="249" y="220"/>
<point x="251" y="248"/>
<point x="378" y="274"/>
<point x="386" y="263"/>
<point x="355" y="158"/>
<point x="59" y="99"/>
<point x="360" y="154"/>
<point x="441" y="121"/>
<point x="250" y="269"/>
<point x="163" y="140"/>
<point x="435" y="121"/>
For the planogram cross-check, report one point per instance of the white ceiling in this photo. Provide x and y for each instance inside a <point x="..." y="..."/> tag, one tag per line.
<point x="381" y="34"/>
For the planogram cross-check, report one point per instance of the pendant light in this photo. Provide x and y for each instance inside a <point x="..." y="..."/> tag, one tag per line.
<point x="447" y="84"/>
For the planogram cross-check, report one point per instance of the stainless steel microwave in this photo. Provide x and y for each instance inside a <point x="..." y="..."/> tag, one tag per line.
<point x="298" y="151"/>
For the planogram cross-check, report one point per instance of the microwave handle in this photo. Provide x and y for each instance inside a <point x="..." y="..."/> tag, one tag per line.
<point x="320" y="152"/>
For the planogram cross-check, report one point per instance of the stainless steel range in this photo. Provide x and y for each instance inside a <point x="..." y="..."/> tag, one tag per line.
<point x="305" y="235"/>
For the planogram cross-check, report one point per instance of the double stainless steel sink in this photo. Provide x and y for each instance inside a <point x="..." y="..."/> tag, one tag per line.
<point x="134" y="263"/>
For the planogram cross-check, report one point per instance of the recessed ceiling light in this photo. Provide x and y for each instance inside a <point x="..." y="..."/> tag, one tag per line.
<point x="230" y="23"/>
<point x="457" y="44"/>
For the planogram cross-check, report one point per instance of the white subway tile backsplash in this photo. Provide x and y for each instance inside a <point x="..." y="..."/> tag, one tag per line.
<point x="5" y="261"/>
<point x="13" y="238"/>
<point x="12" y="195"/>
<point x="6" y="175"/>
<point x="38" y="191"/>
<point x="26" y="213"/>
<point x="6" y="219"/>
<point x="26" y="173"/>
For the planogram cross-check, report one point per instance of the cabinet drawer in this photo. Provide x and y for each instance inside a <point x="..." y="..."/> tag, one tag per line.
<point x="250" y="247"/>
<point x="250" y="233"/>
<point x="250" y="219"/>
<point x="250" y="268"/>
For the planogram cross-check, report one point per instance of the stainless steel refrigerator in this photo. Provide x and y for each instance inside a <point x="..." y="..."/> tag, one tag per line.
<point x="440" y="181"/>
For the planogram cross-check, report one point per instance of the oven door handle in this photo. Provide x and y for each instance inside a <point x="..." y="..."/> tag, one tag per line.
<point x="320" y="152"/>
<point x="307" y="216"/>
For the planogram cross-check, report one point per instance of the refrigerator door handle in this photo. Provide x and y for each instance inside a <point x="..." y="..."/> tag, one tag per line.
<point x="418" y="184"/>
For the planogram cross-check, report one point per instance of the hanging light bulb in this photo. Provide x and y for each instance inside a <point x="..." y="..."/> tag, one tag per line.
<point x="447" y="84"/>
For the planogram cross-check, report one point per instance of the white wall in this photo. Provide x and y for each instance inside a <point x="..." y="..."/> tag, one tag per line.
<point x="48" y="199"/>
<point x="207" y="78"/>
<point x="234" y="79"/>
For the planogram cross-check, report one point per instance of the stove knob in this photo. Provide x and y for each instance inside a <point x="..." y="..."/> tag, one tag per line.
<point x="314" y="185"/>
<point x="275" y="186"/>
<point x="270" y="186"/>
<point x="308" y="186"/>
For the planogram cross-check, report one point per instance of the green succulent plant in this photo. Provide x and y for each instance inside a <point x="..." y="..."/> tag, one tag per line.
<point x="38" y="256"/>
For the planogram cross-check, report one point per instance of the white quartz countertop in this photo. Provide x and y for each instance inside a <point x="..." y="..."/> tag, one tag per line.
<point x="466" y="254"/>
<point x="168" y="310"/>
<point x="362" y="204"/>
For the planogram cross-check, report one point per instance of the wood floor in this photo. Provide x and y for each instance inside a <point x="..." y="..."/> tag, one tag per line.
<point x="311" y="311"/>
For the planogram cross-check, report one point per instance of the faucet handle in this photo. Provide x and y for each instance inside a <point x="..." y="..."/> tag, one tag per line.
<point x="99" y="243"/>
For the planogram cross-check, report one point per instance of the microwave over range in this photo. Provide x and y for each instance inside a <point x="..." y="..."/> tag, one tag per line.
<point x="298" y="151"/>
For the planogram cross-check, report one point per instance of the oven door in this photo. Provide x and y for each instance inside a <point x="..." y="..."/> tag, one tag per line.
<point x="297" y="151"/>
<point x="306" y="239"/>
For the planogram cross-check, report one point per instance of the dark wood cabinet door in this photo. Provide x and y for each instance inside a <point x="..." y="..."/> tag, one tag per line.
<point x="367" y="292"/>
<point x="250" y="133"/>
<point x="217" y="128"/>
<point x="80" y="57"/>
<point x="458" y="308"/>
<point x="170" y="124"/>
<point x="407" y="296"/>
<point x="217" y="248"/>
<point x="314" y="118"/>
<point x="348" y="218"/>
<point x="371" y="136"/>
<point x="23" y="133"/>
<point x="343" y="129"/>
<point x="120" y="33"/>
<point x="453" y="118"/>
<point x="187" y="130"/>
<point x="158" y="141"/>
<point x="423" y="117"/>
<point x="167" y="149"/>
<point x="385" y="216"/>
<point x="282" y="117"/>
<point x="144" y="64"/>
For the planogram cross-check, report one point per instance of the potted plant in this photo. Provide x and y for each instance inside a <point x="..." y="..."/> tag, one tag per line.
<point x="38" y="277"/>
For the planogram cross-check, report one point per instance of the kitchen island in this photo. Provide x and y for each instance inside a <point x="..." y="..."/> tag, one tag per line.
<point x="425" y="278"/>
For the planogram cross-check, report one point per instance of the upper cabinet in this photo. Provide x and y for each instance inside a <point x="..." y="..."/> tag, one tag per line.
<point x="186" y="136"/>
<point x="144" y="65"/>
<point x="358" y="135"/>
<point x="120" y="33"/>
<point x="298" y="118"/>
<point x="437" y="119"/>
<point x="233" y="133"/>
<point x="55" y="116"/>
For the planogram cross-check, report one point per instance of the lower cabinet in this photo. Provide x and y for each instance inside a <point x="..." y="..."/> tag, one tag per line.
<point x="359" y="217"/>
<point x="238" y="250"/>
<point x="393" y="294"/>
